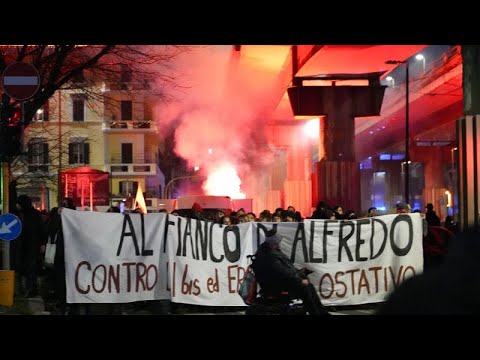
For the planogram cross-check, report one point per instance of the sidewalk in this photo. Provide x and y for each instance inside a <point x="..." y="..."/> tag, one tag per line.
<point x="36" y="306"/>
<point x="25" y="306"/>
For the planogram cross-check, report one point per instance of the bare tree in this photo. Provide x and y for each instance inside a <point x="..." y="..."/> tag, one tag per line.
<point x="82" y="67"/>
<point x="22" y="166"/>
<point x="85" y="68"/>
<point x="171" y="164"/>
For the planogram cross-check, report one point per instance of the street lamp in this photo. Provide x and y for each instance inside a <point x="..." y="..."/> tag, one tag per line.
<point x="421" y="58"/>
<point x="453" y="157"/>
<point x="391" y="79"/>
<point x="167" y="187"/>
<point x="407" y="127"/>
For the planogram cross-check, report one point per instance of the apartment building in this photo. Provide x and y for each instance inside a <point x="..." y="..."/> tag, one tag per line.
<point x="107" y="127"/>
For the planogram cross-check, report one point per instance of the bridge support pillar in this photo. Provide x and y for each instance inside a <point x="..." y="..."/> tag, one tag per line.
<point x="468" y="139"/>
<point x="336" y="177"/>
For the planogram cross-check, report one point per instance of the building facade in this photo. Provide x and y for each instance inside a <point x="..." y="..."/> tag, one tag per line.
<point x="107" y="127"/>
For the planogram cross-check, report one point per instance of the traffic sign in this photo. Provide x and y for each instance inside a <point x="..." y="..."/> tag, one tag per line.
<point x="20" y="80"/>
<point x="10" y="227"/>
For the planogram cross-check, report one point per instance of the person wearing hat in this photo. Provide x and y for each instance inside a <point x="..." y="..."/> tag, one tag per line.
<point x="372" y="212"/>
<point x="276" y="274"/>
<point x="404" y="208"/>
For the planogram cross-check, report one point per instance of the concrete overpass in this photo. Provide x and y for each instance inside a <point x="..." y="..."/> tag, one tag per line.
<point x="294" y="185"/>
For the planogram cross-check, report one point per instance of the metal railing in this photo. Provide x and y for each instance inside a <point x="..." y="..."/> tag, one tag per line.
<point x="127" y="86"/>
<point x="129" y="124"/>
<point x="116" y="158"/>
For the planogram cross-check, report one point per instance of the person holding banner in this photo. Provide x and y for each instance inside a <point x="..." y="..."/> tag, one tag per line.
<point x="372" y="212"/>
<point x="404" y="208"/>
<point x="55" y="231"/>
<point x="276" y="274"/>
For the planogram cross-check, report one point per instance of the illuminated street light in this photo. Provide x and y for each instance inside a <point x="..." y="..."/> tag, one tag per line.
<point x="311" y="129"/>
<point x="166" y="193"/>
<point x="391" y="79"/>
<point x="420" y="57"/>
<point x="449" y="198"/>
<point x="407" y="127"/>
<point x="453" y="157"/>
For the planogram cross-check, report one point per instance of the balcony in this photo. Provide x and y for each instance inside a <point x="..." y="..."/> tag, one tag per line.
<point x="125" y="86"/>
<point x="129" y="125"/>
<point x="139" y="165"/>
<point x="144" y="169"/>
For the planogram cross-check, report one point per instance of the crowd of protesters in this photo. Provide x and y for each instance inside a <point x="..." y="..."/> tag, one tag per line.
<point x="27" y="251"/>
<point x="322" y="211"/>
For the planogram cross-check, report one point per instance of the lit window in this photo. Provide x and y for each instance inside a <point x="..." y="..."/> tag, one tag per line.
<point x="398" y="156"/>
<point x="38" y="115"/>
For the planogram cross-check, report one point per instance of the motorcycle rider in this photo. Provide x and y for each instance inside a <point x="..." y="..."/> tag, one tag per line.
<point x="276" y="274"/>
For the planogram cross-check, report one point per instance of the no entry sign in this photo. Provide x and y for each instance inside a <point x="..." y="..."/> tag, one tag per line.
<point x="20" y="80"/>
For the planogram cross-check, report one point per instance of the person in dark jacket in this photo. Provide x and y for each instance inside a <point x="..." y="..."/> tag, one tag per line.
<point x="431" y="216"/>
<point x="28" y="245"/>
<point x="55" y="230"/>
<point x="323" y="211"/>
<point x="276" y="273"/>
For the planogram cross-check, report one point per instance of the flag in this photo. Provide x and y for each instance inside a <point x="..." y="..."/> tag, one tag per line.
<point x="140" y="201"/>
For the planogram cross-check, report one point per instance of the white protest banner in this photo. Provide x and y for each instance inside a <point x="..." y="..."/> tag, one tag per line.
<point x="117" y="258"/>
<point x="359" y="261"/>
<point x="207" y="261"/>
<point x="113" y="258"/>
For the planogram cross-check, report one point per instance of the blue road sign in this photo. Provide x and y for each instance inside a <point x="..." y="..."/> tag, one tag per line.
<point x="10" y="227"/>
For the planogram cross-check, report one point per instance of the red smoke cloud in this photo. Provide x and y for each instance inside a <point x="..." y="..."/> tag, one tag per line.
<point x="221" y="106"/>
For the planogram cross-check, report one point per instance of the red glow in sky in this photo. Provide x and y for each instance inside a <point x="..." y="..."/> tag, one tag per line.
<point x="221" y="107"/>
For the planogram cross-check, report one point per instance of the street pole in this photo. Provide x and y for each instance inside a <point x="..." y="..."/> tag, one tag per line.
<point x="59" y="178"/>
<point x="5" y="200"/>
<point x="6" y="195"/>
<point x="407" y="136"/>
<point x="167" y="187"/>
<point x="407" y="127"/>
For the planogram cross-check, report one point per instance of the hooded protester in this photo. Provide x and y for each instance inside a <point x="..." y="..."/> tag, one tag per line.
<point x="276" y="274"/>
<point x="323" y="211"/>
